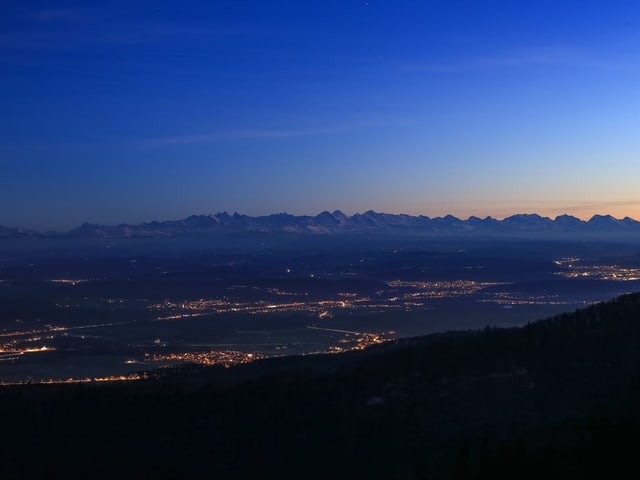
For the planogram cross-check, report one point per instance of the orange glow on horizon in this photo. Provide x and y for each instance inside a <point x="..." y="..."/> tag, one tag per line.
<point x="499" y="212"/>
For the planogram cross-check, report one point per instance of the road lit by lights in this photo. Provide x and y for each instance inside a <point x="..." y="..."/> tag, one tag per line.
<point x="405" y="295"/>
<point x="69" y="281"/>
<point x="66" y="381"/>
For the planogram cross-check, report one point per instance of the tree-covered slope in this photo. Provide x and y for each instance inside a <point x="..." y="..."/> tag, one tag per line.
<point x="466" y="404"/>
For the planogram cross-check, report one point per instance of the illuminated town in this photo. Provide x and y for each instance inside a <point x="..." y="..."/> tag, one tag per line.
<point x="317" y="320"/>
<point x="573" y="267"/>
<point x="225" y="358"/>
<point x="69" y="281"/>
<point x="402" y="295"/>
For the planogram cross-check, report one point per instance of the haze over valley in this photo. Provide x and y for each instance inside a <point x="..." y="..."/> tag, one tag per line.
<point x="108" y="302"/>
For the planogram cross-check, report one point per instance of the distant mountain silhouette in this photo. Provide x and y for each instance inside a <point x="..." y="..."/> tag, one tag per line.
<point x="521" y="225"/>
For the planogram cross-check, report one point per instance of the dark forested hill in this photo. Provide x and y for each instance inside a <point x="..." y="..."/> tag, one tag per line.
<point x="558" y="398"/>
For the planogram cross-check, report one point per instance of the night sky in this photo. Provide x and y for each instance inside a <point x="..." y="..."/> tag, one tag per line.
<point x="128" y="111"/>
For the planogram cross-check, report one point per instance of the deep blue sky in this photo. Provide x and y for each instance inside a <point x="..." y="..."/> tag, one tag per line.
<point x="128" y="111"/>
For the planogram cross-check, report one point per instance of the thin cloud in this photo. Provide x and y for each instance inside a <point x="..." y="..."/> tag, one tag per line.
<point x="86" y="27"/>
<point x="258" y="134"/>
<point x="575" y="205"/>
<point x="56" y="15"/>
<point x="603" y="205"/>
<point x="85" y="38"/>
<point x="545" y="58"/>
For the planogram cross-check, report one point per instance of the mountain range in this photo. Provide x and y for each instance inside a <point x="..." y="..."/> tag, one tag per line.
<point x="336" y="222"/>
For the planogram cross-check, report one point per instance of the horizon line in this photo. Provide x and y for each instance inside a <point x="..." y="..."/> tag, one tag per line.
<point x="337" y="211"/>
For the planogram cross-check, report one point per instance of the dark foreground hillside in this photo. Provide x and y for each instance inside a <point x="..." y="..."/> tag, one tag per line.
<point x="559" y="398"/>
